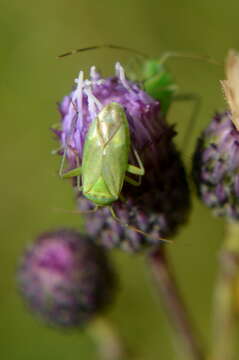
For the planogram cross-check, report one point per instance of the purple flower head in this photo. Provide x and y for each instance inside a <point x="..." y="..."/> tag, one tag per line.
<point x="216" y="159"/>
<point x="65" y="278"/>
<point x="82" y="105"/>
<point x="216" y="166"/>
<point x="161" y="203"/>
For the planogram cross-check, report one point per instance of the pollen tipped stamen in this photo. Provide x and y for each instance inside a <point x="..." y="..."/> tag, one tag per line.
<point x="94" y="75"/>
<point x="94" y="104"/>
<point x="91" y="83"/>
<point x="77" y="97"/>
<point x="120" y="73"/>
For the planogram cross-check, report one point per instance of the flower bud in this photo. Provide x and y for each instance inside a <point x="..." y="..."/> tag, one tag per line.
<point x="216" y="158"/>
<point x="216" y="165"/>
<point x="65" y="278"/>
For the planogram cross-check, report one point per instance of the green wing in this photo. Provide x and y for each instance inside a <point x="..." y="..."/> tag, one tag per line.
<point x="92" y="158"/>
<point x="115" y="160"/>
<point x="106" y="150"/>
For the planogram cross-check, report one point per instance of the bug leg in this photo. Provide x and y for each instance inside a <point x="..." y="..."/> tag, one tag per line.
<point x="71" y="173"/>
<point x="61" y="172"/>
<point x="79" y="187"/>
<point x="196" y="99"/>
<point x="136" y="170"/>
<point x="132" y="181"/>
<point x="115" y="217"/>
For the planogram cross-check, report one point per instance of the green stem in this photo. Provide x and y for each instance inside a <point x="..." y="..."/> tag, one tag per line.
<point x="224" y="317"/>
<point x="174" y="304"/>
<point x="109" y="343"/>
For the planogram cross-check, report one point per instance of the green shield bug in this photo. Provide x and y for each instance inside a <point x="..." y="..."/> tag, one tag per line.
<point x="105" y="157"/>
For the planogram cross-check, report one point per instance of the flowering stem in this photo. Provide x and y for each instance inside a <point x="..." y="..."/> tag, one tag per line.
<point x="224" y="317"/>
<point x="174" y="304"/>
<point x="109" y="343"/>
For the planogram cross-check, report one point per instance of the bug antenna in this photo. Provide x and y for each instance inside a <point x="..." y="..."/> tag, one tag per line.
<point x="174" y="54"/>
<point x="96" y="47"/>
<point x="115" y="217"/>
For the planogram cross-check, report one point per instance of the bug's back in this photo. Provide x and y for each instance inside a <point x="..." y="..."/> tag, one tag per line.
<point x="105" y="155"/>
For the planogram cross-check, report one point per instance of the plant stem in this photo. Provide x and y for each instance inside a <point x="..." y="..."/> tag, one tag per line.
<point x="109" y="343"/>
<point x="174" y="304"/>
<point x="224" y="317"/>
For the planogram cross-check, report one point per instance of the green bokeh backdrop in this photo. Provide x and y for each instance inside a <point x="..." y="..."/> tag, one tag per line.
<point x="32" y="33"/>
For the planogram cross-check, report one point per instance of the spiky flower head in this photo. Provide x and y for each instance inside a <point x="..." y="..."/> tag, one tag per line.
<point x="83" y="104"/>
<point x="161" y="203"/>
<point x="65" y="278"/>
<point x="216" y="159"/>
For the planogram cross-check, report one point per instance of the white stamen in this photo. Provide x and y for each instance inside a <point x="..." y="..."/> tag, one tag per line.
<point x="93" y="102"/>
<point x="119" y="71"/>
<point x="88" y="83"/>
<point x="94" y="75"/>
<point x="85" y="87"/>
<point x="77" y="97"/>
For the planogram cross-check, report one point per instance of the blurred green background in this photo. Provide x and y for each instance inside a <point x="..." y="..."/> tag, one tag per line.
<point x="32" y="33"/>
